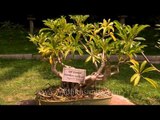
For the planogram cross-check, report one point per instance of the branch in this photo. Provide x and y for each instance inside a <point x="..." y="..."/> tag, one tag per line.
<point x="96" y="65"/>
<point x="103" y="64"/>
<point x="149" y="62"/>
<point x="125" y="59"/>
<point x="116" y="71"/>
<point x="99" y="71"/>
<point x="63" y="65"/>
<point x="90" y="79"/>
<point x="94" y="75"/>
<point x="66" y="66"/>
<point x="108" y="72"/>
<point x="54" y="70"/>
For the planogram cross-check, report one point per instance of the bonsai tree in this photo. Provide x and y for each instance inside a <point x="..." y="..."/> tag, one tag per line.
<point x="99" y="40"/>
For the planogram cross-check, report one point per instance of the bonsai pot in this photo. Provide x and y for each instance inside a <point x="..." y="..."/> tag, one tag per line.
<point x="100" y="101"/>
<point x="101" y="98"/>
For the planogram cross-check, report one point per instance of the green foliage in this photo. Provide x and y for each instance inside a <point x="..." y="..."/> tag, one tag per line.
<point x="130" y="42"/>
<point x="139" y="70"/>
<point x="158" y="42"/>
<point x="99" y="40"/>
<point x="8" y="25"/>
<point x="79" y="18"/>
<point x="11" y="28"/>
<point x="13" y="39"/>
<point x="62" y="38"/>
<point x="57" y="39"/>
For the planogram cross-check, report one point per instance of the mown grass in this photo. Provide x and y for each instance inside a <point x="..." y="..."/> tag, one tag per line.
<point x="143" y="94"/>
<point x="20" y="79"/>
<point x="13" y="39"/>
<point x="18" y="44"/>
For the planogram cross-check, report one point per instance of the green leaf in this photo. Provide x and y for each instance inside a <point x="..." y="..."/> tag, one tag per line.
<point x="134" y="62"/>
<point x="112" y="35"/>
<point x="143" y="65"/>
<point x="137" y="79"/>
<point x="141" y="27"/>
<point x="139" y="38"/>
<point x="151" y="81"/>
<point x="88" y="59"/>
<point x="135" y="68"/>
<point x="148" y="69"/>
<point x="80" y="51"/>
<point x="93" y="59"/>
<point x="66" y="53"/>
<point x="44" y="29"/>
<point x="134" y="77"/>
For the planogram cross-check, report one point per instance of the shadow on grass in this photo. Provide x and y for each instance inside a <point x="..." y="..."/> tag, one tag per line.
<point x="126" y="72"/>
<point x="11" y="69"/>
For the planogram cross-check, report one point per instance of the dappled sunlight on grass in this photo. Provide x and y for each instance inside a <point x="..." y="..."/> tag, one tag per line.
<point x="143" y="94"/>
<point x="21" y="79"/>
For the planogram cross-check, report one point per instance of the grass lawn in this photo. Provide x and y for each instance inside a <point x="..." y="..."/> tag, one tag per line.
<point x="13" y="39"/>
<point x="20" y="79"/>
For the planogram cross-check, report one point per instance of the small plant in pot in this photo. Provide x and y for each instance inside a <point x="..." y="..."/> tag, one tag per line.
<point x="99" y="41"/>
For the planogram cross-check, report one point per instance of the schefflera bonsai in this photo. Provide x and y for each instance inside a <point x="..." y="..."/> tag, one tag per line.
<point x="98" y="40"/>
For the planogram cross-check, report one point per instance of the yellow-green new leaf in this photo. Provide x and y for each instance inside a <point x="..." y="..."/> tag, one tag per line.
<point x="88" y="59"/>
<point x="80" y="51"/>
<point x="93" y="59"/>
<point x="112" y="35"/>
<point x="151" y="81"/>
<point x="134" y="62"/>
<point x="134" y="77"/>
<point x="139" y="38"/>
<point x="143" y="65"/>
<point x="136" y="69"/>
<point x="137" y="79"/>
<point x="149" y="69"/>
<point x="51" y="60"/>
<point x="66" y="53"/>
